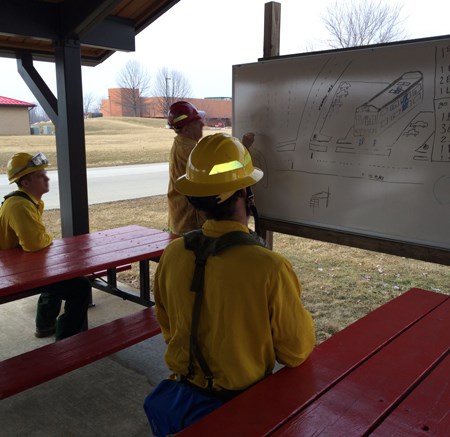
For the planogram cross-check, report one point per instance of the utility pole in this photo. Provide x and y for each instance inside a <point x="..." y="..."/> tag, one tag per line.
<point x="167" y="97"/>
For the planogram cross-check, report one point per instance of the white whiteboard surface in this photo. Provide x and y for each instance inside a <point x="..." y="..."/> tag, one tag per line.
<point x="353" y="140"/>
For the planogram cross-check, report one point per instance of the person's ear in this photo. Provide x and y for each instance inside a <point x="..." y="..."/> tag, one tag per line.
<point x="24" y="182"/>
<point x="242" y="193"/>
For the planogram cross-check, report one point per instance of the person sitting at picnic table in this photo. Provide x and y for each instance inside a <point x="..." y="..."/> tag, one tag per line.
<point x="251" y="313"/>
<point x="21" y="225"/>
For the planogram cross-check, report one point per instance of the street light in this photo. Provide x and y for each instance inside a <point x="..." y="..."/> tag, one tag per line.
<point x="167" y="98"/>
<point x="167" y="85"/>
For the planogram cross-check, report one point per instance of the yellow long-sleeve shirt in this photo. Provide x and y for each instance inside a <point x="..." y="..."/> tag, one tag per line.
<point x="21" y="224"/>
<point x="183" y="217"/>
<point x="251" y="312"/>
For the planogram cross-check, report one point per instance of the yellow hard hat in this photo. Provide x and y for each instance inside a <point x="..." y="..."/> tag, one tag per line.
<point x="22" y="164"/>
<point x="219" y="165"/>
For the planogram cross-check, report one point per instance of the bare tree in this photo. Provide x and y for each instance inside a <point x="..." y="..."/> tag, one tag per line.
<point x="37" y="114"/>
<point x="97" y="104"/>
<point x="135" y="81"/>
<point x="172" y="86"/>
<point x="363" y="22"/>
<point x="88" y="101"/>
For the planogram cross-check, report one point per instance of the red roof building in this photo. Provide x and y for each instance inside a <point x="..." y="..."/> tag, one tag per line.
<point x="14" y="116"/>
<point x="6" y="101"/>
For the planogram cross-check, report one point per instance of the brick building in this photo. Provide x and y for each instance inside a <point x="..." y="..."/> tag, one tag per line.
<point x="14" y="116"/>
<point x="123" y="102"/>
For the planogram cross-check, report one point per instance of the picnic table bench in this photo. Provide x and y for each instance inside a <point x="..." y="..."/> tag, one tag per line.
<point x="22" y="273"/>
<point x="386" y="374"/>
<point x="40" y="365"/>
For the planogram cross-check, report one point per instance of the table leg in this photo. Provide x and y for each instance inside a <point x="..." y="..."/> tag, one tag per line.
<point x="144" y="278"/>
<point x="111" y="277"/>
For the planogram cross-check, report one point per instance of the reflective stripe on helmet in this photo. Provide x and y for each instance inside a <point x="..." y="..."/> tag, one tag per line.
<point x="225" y="167"/>
<point x="179" y="118"/>
<point x="228" y="166"/>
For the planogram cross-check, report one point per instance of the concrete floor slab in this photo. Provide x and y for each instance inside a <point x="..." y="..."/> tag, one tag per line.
<point x="102" y="399"/>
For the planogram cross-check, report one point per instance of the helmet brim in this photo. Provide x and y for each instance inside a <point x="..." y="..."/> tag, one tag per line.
<point x="195" y="189"/>
<point x="29" y="170"/>
<point x="199" y="116"/>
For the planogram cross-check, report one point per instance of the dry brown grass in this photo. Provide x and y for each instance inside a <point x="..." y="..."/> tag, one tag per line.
<point x="340" y="284"/>
<point x="109" y="141"/>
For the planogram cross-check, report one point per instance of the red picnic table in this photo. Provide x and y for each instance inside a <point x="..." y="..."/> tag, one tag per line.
<point x="22" y="273"/>
<point x="387" y="374"/>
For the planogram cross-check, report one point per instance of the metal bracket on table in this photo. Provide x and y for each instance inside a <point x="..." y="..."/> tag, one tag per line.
<point x="110" y="285"/>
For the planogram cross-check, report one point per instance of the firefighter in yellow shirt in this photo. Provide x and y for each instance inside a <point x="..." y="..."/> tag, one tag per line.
<point x="252" y="314"/>
<point x="21" y="225"/>
<point x="187" y="122"/>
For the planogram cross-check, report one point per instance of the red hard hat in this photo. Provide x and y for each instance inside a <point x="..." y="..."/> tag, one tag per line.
<point x="182" y="113"/>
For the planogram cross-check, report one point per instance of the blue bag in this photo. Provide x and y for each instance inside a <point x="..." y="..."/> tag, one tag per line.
<point x="174" y="405"/>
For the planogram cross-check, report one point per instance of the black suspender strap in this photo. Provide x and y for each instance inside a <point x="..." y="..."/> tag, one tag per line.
<point x="203" y="247"/>
<point x="20" y="194"/>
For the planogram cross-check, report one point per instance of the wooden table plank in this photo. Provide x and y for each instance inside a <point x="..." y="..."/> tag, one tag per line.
<point x="15" y="260"/>
<point x="45" y="261"/>
<point x="46" y="258"/>
<point x="359" y="402"/>
<point x="98" y="251"/>
<point x="268" y="404"/>
<point x="426" y="411"/>
<point x="123" y="231"/>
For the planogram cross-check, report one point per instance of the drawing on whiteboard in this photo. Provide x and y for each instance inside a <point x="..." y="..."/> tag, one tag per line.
<point x="441" y="190"/>
<point x="355" y="117"/>
<point x="420" y="134"/>
<point x="358" y="133"/>
<point x="373" y="125"/>
<point x="320" y="199"/>
<point x="390" y="104"/>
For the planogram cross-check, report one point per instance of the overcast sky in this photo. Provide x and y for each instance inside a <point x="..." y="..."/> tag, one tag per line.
<point x="204" y="38"/>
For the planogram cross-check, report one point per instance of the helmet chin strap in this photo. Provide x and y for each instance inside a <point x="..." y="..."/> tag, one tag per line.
<point x="251" y="207"/>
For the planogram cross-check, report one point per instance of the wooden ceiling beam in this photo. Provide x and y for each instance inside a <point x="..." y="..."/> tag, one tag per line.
<point x="43" y="22"/>
<point x="25" y="18"/>
<point x="100" y="27"/>
<point x="81" y="17"/>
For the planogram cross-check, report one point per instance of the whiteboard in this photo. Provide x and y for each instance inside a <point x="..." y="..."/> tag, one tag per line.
<point x="353" y="140"/>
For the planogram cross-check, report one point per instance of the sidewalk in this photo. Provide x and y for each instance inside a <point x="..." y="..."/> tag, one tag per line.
<point x="109" y="184"/>
<point x="102" y="399"/>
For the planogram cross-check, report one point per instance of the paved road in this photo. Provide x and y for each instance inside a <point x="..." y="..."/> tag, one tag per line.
<point x="107" y="184"/>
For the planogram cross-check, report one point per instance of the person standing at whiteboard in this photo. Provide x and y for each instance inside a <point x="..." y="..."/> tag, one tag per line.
<point x="187" y="122"/>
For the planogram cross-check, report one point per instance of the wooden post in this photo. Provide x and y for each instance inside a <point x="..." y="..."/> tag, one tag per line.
<point x="70" y="140"/>
<point x="272" y="15"/>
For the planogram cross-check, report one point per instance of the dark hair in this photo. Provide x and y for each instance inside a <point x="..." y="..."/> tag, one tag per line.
<point x="19" y="182"/>
<point x="214" y="210"/>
